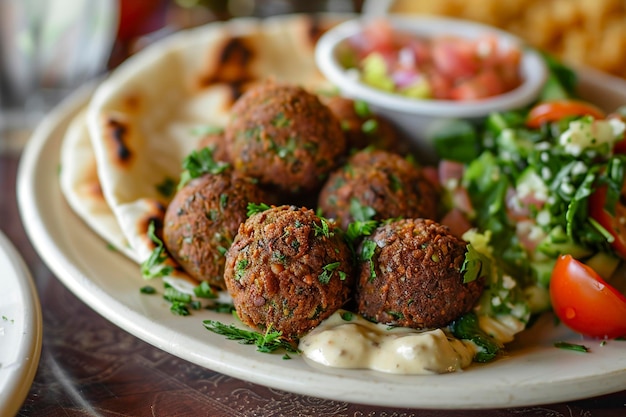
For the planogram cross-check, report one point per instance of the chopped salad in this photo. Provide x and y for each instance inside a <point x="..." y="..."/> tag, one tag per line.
<point x="539" y="191"/>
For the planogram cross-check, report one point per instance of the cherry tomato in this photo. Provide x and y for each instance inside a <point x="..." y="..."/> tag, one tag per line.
<point x="585" y="302"/>
<point x="550" y="111"/>
<point x="611" y="223"/>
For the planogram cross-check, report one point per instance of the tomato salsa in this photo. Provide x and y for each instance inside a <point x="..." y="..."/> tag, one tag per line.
<point x="443" y="68"/>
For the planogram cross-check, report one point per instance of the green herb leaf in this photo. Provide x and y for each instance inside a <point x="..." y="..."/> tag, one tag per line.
<point x="473" y="265"/>
<point x="201" y="162"/>
<point x="572" y="346"/>
<point x="267" y="342"/>
<point x="327" y="272"/>
<point x="368" y="249"/>
<point x="204" y="290"/>
<point x="322" y="229"/>
<point x="254" y="208"/>
<point x="147" y="289"/>
<point x="167" y="187"/>
<point x="154" y="266"/>
<point x="360" y="212"/>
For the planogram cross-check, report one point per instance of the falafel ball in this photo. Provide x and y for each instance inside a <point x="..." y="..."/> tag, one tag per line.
<point x="284" y="136"/>
<point x="202" y="220"/>
<point x="361" y="126"/>
<point x="288" y="270"/>
<point x="381" y="181"/>
<point x="411" y="275"/>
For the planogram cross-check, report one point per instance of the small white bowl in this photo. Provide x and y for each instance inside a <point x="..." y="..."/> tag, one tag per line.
<point x="415" y="118"/>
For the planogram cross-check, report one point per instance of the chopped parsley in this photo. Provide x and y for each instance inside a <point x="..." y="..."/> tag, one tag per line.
<point x="347" y="315"/>
<point x="360" y="212"/>
<point x="281" y="120"/>
<point x="367" y="254"/>
<point x="572" y="346"/>
<point x="204" y="290"/>
<point x="155" y="266"/>
<point x="362" y="109"/>
<point x="201" y="162"/>
<point x="167" y="187"/>
<point x="254" y="208"/>
<point x="327" y="272"/>
<point x="474" y="265"/>
<point x="322" y="229"/>
<point x="267" y="342"/>
<point x="240" y="268"/>
<point x="147" y="289"/>
<point x="370" y="126"/>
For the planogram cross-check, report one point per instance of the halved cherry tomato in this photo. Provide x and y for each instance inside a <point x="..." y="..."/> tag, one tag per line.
<point x="611" y="223"/>
<point x="585" y="302"/>
<point x="550" y="111"/>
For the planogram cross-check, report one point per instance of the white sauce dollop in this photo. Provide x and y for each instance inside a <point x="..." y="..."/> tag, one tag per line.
<point x="358" y="343"/>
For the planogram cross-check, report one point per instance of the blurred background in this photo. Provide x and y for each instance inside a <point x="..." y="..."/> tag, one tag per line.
<point x="48" y="49"/>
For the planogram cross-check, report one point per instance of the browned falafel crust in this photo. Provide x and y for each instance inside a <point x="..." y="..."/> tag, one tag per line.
<point x="288" y="270"/>
<point x="284" y="136"/>
<point x="361" y="126"/>
<point x="202" y="220"/>
<point x="413" y="277"/>
<point x="384" y="181"/>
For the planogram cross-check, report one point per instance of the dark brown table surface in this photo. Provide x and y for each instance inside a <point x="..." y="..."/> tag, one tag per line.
<point x="90" y="367"/>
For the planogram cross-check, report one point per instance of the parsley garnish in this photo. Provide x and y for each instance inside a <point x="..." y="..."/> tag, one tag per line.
<point x="154" y="266"/>
<point x="147" y="289"/>
<point x="204" y="290"/>
<point x="167" y="187"/>
<point x="370" y="126"/>
<point x="254" y="208"/>
<point x="240" y="268"/>
<point x="347" y="315"/>
<point x="266" y="342"/>
<point x="367" y="254"/>
<point x="359" y="212"/>
<point x="323" y="229"/>
<point x="201" y="162"/>
<point x="327" y="272"/>
<point x="473" y="265"/>
<point x="362" y="109"/>
<point x="572" y="346"/>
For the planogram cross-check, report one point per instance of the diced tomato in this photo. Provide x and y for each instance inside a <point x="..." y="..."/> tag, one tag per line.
<point x="550" y="111"/>
<point x="456" y="221"/>
<point x="454" y="59"/>
<point x="449" y="170"/>
<point x="486" y="84"/>
<point x="584" y="302"/>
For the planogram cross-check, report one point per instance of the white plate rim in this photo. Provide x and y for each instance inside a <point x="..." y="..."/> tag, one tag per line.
<point x="531" y="383"/>
<point x="22" y="329"/>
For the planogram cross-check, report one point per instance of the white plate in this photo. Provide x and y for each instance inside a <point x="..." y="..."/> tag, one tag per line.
<point x="534" y="371"/>
<point x="20" y="329"/>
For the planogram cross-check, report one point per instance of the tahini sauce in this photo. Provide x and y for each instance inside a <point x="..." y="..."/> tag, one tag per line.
<point x="358" y="343"/>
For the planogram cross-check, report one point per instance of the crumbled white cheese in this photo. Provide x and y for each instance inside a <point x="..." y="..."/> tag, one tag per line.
<point x="587" y="133"/>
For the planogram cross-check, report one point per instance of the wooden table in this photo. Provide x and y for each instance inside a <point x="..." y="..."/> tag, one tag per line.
<point x="90" y="367"/>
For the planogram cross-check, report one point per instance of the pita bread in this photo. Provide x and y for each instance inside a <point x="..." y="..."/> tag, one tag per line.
<point x="144" y="119"/>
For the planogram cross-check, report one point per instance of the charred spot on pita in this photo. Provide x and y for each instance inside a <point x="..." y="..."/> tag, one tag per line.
<point x="234" y="66"/>
<point x="117" y="131"/>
